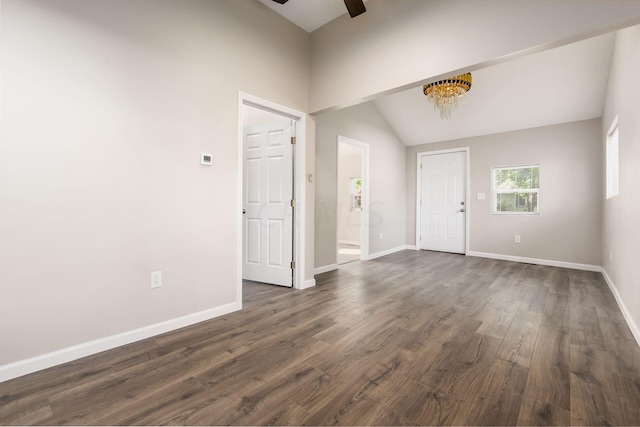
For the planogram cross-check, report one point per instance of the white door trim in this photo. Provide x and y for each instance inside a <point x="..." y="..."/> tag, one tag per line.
<point x="299" y="182"/>
<point x="364" y="171"/>
<point x="419" y="155"/>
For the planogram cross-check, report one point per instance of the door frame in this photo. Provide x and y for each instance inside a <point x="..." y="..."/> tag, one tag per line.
<point x="364" y="172"/>
<point x="299" y="186"/>
<point x="467" y="225"/>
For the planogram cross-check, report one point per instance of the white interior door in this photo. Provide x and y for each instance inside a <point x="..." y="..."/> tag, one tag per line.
<point x="267" y="194"/>
<point x="442" y="206"/>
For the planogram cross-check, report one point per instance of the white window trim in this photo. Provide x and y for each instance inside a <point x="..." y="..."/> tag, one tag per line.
<point x="612" y="162"/>
<point x="353" y="194"/>
<point x="494" y="193"/>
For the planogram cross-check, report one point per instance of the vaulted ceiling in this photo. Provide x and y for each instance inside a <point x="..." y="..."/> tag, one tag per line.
<point x="560" y="85"/>
<point x="555" y="86"/>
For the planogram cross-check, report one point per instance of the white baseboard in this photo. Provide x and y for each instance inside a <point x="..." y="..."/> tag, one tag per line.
<point x="623" y="308"/>
<point x="411" y="247"/>
<point x="325" y="269"/>
<point x="58" y="357"/>
<point x="349" y="242"/>
<point x="551" y="263"/>
<point x="308" y="284"/>
<point x="387" y="252"/>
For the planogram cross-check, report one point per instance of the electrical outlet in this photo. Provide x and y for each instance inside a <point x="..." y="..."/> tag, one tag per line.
<point x="381" y="236"/>
<point x="517" y="238"/>
<point x="156" y="279"/>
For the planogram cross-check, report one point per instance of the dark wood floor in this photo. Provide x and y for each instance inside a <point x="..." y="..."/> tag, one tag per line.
<point x="416" y="338"/>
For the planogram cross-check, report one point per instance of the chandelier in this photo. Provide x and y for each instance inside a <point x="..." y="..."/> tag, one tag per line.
<point x="445" y="94"/>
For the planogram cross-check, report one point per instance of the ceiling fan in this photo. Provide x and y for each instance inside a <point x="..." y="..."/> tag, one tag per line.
<point x="355" y="7"/>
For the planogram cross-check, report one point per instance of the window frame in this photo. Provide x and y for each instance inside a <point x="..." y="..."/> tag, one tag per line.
<point x="353" y="194"/>
<point x="612" y="161"/>
<point x="494" y="192"/>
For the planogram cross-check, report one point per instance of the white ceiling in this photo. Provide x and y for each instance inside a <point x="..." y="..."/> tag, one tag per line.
<point x="308" y="14"/>
<point x="556" y="86"/>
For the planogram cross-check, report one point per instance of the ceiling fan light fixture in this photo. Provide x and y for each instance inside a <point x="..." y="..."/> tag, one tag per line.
<point x="355" y="7"/>
<point x="446" y="94"/>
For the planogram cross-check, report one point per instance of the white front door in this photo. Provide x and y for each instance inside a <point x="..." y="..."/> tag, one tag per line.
<point x="267" y="195"/>
<point x="442" y="207"/>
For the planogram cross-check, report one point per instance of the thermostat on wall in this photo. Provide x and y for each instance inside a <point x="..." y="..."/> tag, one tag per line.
<point x="206" y="159"/>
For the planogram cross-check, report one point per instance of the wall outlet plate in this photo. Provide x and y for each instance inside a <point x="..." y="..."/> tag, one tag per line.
<point x="156" y="279"/>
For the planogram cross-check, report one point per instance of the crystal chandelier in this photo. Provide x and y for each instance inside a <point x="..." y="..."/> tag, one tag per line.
<point x="445" y="94"/>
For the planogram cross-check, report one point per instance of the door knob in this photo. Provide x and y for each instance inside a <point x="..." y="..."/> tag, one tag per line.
<point x="244" y="211"/>
<point x="461" y="210"/>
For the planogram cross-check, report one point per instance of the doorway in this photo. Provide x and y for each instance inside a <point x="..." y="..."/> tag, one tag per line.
<point x="267" y="197"/>
<point x="352" y="234"/>
<point x="442" y="203"/>
<point x="271" y="194"/>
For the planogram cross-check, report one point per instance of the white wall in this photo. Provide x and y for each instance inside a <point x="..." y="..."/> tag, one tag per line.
<point x="349" y="220"/>
<point x="106" y="106"/>
<point x="568" y="226"/>
<point x="621" y="214"/>
<point x="387" y="179"/>
<point x="403" y="43"/>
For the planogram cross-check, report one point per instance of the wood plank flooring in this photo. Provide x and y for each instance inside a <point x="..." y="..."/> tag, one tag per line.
<point x="413" y="338"/>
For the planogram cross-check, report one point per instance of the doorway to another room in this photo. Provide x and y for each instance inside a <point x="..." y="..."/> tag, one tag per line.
<point x="352" y="214"/>
<point x="271" y="196"/>
<point x="267" y="212"/>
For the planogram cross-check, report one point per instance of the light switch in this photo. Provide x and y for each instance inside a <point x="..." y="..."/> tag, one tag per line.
<point x="480" y="196"/>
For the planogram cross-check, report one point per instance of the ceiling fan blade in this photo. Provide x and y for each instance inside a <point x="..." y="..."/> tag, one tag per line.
<point x="281" y="1"/>
<point x="355" y="7"/>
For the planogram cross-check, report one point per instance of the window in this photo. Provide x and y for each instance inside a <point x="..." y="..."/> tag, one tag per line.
<point x="612" y="160"/>
<point x="516" y="189"/>
<point x="355" y="190"/>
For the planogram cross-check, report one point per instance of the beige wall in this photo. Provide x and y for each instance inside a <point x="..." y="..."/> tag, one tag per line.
<point x="310" y="203"/>
<point x="348" y="219"/>
<point x="568" y="226"/>
<point x="387" y="184"/>
<point x="403" y="43"/>
<point x="106" y="107"/>
<point x="621" y="214"/>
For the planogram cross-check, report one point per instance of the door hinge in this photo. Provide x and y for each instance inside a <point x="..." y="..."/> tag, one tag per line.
<point x="293" y="265"/>
<point x="421" y="238"/>
<point x="293" y="203"/>
<point x="420" y="165"/>
<point x="293" y="140"/>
